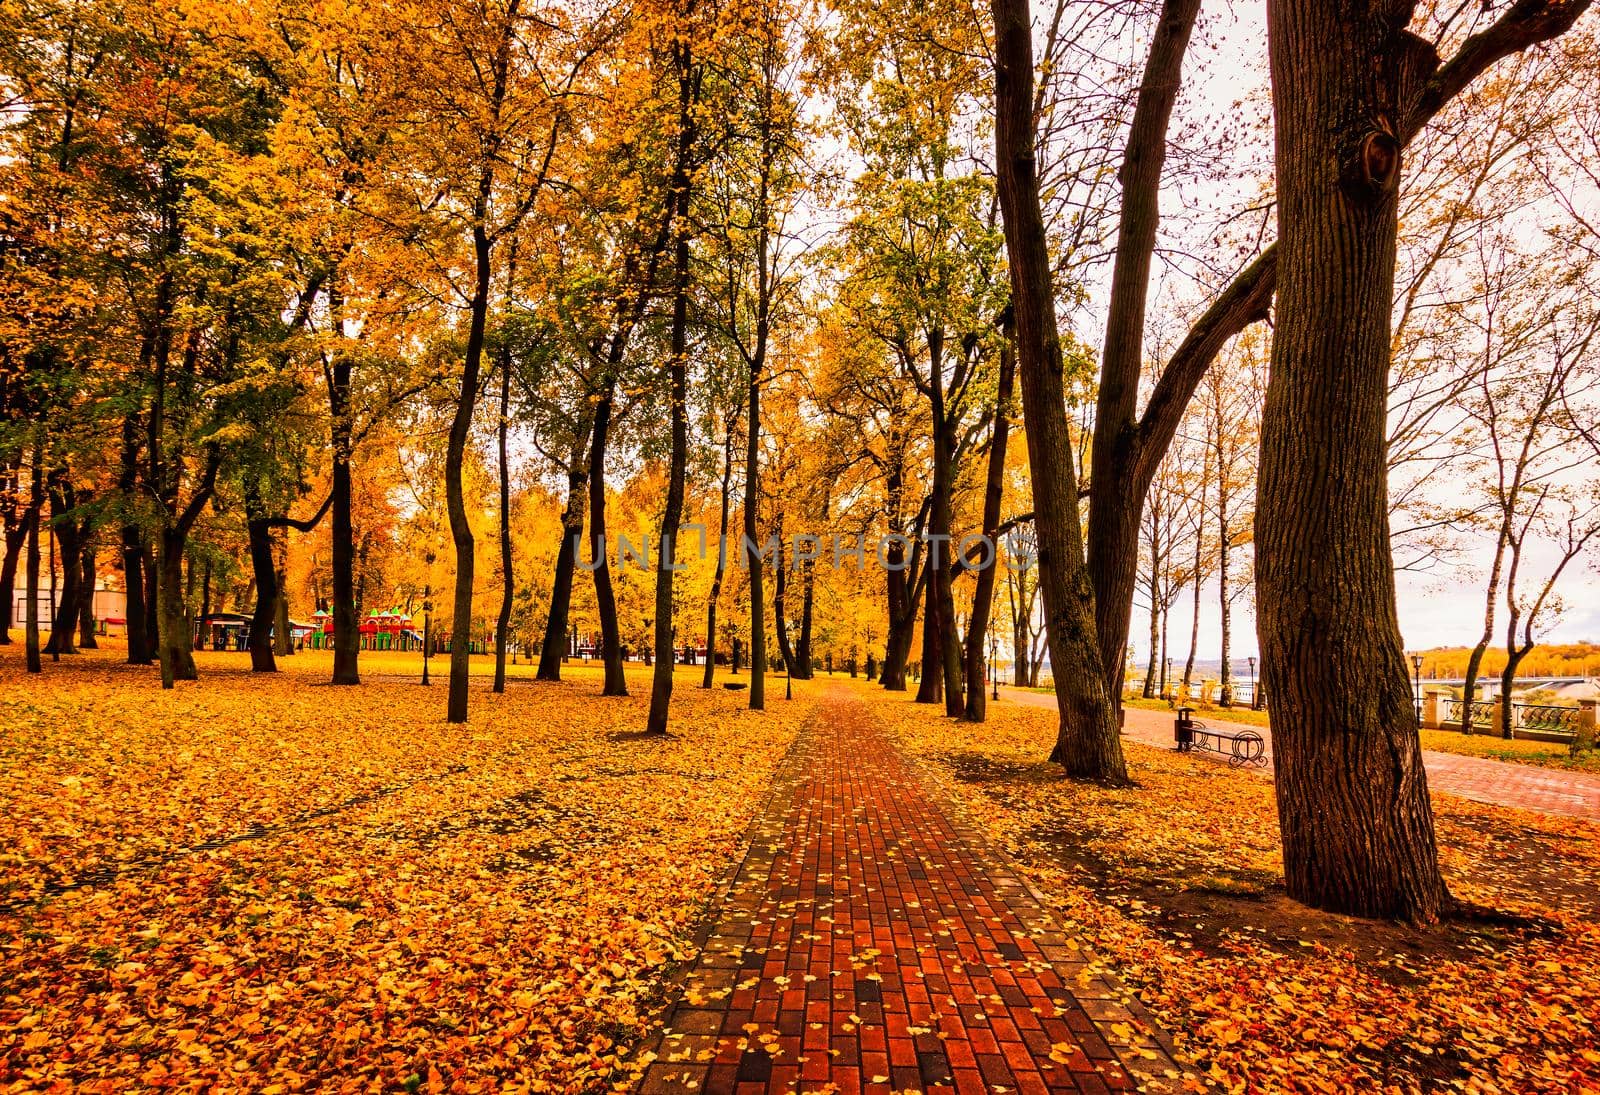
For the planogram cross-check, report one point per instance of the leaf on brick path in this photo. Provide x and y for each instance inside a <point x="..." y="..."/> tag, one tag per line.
<point x="1500" y="1008"/>
<point x="468" y="907"/>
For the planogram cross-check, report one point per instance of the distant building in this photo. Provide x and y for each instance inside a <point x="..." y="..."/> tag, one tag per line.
<point x="110" y="609"/>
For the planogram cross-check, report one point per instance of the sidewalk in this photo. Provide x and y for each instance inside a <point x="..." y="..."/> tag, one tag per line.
<point x="870" y="944"/>
<point x="1500" y="783"/>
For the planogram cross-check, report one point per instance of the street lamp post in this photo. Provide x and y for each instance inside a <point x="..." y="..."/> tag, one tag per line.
<point x="1416" y="683"/>
<point x="427" y="630"/>
<point x="1255" y="686"/>
<point x="994" y="667"/>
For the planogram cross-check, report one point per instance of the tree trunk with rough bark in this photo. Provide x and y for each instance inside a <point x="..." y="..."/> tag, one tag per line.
<point x="1352" y="793"/>
<point x="1087" y="744"/>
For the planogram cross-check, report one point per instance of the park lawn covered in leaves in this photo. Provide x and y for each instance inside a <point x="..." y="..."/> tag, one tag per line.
<point x="1176" y="886"/>
<point x="267" y="883"/>
<point x="1544" y="754"/>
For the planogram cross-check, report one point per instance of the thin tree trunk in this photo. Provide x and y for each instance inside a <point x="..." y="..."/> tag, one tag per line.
<point x="1088" y="744"/>
<point x="554" y="647"/>
<point x="267" y="596"/>
<point x="1119" y="487"/>
<point x="64" y="623"/>
<point x="802" y="652"/>
<point x="455" y="455"/>
<point x="616" y="683"/>
<point x="16" y="539"/>
<point x="780" y="622"/>
<point x="1475" y="659"/>
<point x="993" y="496"/>
<point x="31" y="573"/>
<point x="205" y="597"/>
<point x="1224" y="602"/>
<point x="752" y="495"/>
<point x="930" y="689"/>
<point x="341" y="534"/>
<point x="507" y="578"/>
<point x="722" y="557"/>
<point x="678" y="383"/>
<point x="86" y="584"/>
<point x="283" y="630"/>
<point x="151" y="621"/>
<point x="1199" y="559"/>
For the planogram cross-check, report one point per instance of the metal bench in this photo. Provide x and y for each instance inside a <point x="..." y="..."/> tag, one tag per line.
<point x="1241" y="747"/>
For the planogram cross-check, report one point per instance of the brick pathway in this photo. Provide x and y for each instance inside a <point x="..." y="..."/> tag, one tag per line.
<point x="1500" y="783"/>
<point x="869" y="943"/>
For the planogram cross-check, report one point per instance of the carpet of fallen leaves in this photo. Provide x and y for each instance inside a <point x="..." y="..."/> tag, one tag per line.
<point x="1176" y="886"/>
<point x="271" y="884"/>
<point x="1543" y="754"/>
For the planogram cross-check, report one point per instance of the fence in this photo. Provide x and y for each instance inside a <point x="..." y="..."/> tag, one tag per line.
<point x="1205" y="691"/>
<point x="1539" y="720"/>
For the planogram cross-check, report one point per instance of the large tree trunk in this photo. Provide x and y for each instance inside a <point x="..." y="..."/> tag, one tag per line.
<point x="616" y="683"/>
<point x="264" y="566"/>
<point x="502" y="629"/>
<point x="993" y="496"/>
<point x="722" y="558"/>
<point x="177" y="640"/>
<point x="1087" y="745"/>
<point x="1352" y="793"/>
<point x="554" y="647"/>
<point x="455" y="455"/>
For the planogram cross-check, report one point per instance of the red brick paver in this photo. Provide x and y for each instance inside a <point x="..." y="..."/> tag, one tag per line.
<point x="1497" y="782"/>
<point x="868" y="943"/>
